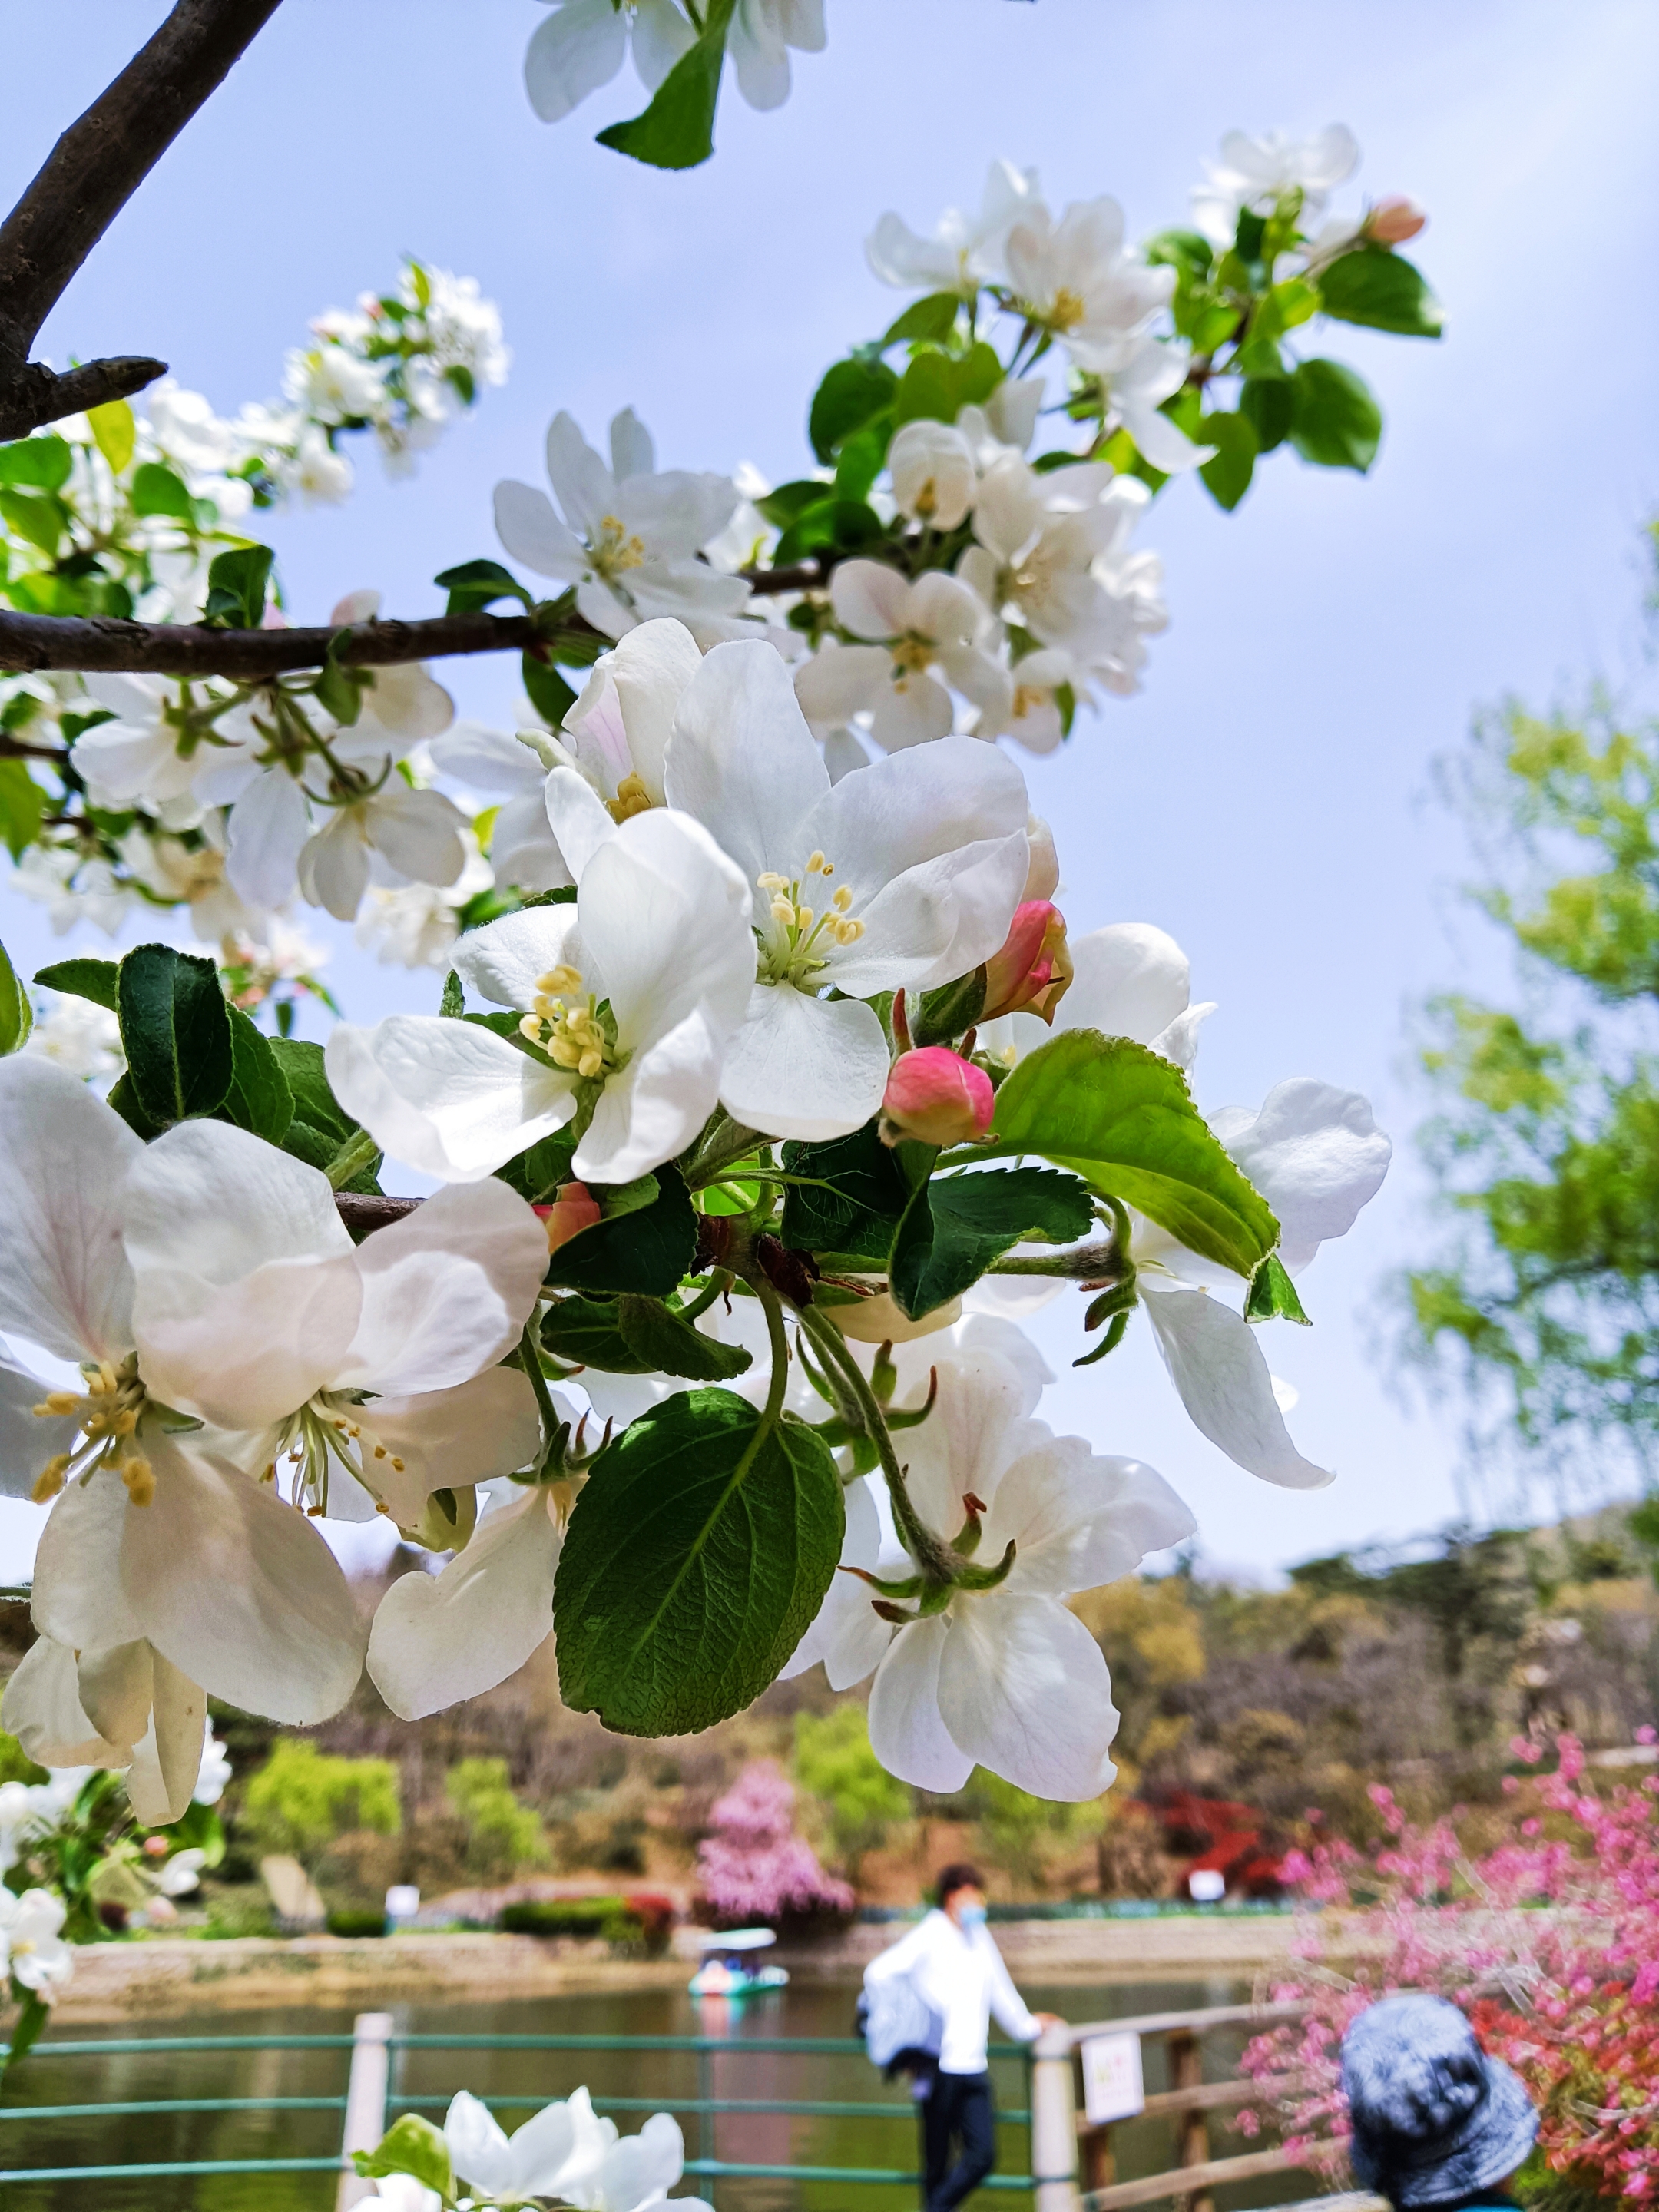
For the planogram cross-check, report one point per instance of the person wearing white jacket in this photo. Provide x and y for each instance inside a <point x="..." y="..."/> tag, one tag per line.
<point x="953" y="1971"/>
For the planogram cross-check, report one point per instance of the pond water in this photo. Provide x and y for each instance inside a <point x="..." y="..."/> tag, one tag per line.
<point x="65" y="2134"/>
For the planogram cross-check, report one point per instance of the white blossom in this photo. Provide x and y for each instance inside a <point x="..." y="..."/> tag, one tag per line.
<point x="1258" y="173"/>
<point x="628" y="537"/>
<point x="966" y="251"/>
<point x="582" y="43"/>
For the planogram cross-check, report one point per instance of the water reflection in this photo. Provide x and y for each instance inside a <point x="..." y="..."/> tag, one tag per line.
<point x="628" y="2084"/>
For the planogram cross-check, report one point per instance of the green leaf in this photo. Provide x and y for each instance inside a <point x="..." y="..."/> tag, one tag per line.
<point x="95" y="980"/>
<point x="536" y="1175"/>
<point x="258" y="1098"/>
<point x="672" y="1346"/>
<point x="117" y="433"/>
<point x="1228" y="475"/>
<point x="1188" y="250"/>
<point x="124" y="1099"/>
<point x="937" y="386"/>
<point x="699" y="1551"/>
<point x="550" y="695"/>
<point x="238" y="584"/>
<point x="472" y="585"/>
<point x="36" y="517"/>
<point x="27" y="2028"/>
<point x="781" y="506"/>
<point x="1381" y="290"/>
<point x="304" y="1071"/>
<point x="588" y="1332"/>
<point x="175" y="1032"/>
<point x="453" y="1004"/>
<point x="677" y="131"/>
<point x="932" y="318"/>
<point x="1272" y="1294"/>
<point x="860" y="462"/>
<point x="853" y="393"/>
<point x="646" y="1252"/>
<point x="42" y="464"/>
<point x="22" y="803"/>
<point x="938" y="1016"/>
<point x="157" y="490"/>
<point x="857" y="1215"/>
<point x="410" y="2145"/>
<point x="1120" y="1116"/>
<point x="1267" y="402"/>
<point x="955" y="1226"/>
<point x="1335" y="423"/>
<point x="17" y="1014"/>
<point x="845" y="525"/>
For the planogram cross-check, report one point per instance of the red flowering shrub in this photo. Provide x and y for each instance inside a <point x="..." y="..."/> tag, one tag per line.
<point x="1550" y="1943"/>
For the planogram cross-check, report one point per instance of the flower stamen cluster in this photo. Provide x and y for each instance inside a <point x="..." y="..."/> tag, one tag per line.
<point x="109" y="1411"/>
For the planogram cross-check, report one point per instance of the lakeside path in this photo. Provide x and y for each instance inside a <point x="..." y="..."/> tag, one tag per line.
<point x="169" y="1975"/>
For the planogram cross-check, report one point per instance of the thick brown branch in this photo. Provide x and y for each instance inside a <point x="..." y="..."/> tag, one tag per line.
<point x="98" y="643"/>
<point x="361" y="1214"/>
<point x="82" y="186"/>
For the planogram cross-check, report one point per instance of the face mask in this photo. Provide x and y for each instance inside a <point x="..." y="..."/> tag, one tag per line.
<point x="971" y="1917"/>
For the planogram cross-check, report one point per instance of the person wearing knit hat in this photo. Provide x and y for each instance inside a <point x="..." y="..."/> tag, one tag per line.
<point x="1436" y="2122"/>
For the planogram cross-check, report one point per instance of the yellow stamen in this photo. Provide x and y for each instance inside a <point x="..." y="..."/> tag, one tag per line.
<point x="50" y="1480"/>
<point x="842" y="899"/>
<point x="140" y="1480"/>
<point x="815" y="864"/>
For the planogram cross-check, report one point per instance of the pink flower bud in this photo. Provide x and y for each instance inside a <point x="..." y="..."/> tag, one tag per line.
<point x="1395" y="220"/>
<point x="1031" y="972"/>
<point x="576" y="1209"/>
<point x="936" y="1097"/>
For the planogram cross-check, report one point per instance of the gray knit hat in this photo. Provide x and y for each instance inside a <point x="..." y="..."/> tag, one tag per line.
<point x="1435" y="2120"/>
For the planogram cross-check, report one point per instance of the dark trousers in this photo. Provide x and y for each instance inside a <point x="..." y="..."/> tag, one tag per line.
<point x="957" y="2108"/>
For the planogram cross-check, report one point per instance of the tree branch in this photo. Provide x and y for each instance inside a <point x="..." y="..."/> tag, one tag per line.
<point x="82" y="186"/>
<point x="99" y="643"/>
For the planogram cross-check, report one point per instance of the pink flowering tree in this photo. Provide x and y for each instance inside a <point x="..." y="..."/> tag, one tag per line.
<point x="754" y="1868"/>
<point x="1550" y="1943"/>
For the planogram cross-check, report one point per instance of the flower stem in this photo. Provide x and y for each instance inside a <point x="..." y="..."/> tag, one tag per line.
<point x="929" y="1552"/>
<point x="531" y="1352"/>
<point x="357" y="1153"/>
<point x="726" y="1141"/>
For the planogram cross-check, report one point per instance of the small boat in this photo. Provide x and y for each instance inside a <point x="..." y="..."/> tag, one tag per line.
<point x="727" y="1970"/>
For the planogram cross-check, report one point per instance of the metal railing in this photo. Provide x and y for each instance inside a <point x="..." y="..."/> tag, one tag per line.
<point x="1061" y="2139"/>
<point x="374" y="2096"/>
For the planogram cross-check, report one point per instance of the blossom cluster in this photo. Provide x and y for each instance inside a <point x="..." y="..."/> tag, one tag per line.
<point x="1550" y="1943"/>
<point x="960" y="563"/>
<point x="766" y="1089"/>
<point x="753" y="1866"/>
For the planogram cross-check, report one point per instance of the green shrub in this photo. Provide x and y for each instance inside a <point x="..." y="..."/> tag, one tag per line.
<point x="356" y="1922"/>
<point x="835" y="1767"/>
<point x="15" y="1765"/>
<point x="502" y="1834"/>
<point x="606" y="1916"/>
<point x="302" y="1798"/>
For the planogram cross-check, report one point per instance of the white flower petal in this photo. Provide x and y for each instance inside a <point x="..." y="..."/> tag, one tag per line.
<point x="168" y="1756"/>
<point x="1217" y="1364"/>
<point x="586" y="490"/>
<point x="805" y="1067"/>
<point x="240" y="1591"/>
<point x="1128" y="980"/>
<point x="117" y="1687"/>
<point x="580" y="821"/>
<point x="437" y="1639"/>
<point x="446" y="1439"/>
<point x="419" y="832"/>
<point x="1079" y="1521"/>
<point x="477" y="2143"/>
<point x="504" y="961"/>
<point x="1317" y="1156"/>
<point x="64" y="1283"/>
<point x="848" y="1634"/>
<point x="269" y="826"/>
<point x="576" y="49"/>
<point x="841" y="681"/>
<point x="908" y="1733"/>
<point x="1023" y="1690"/>
<point x="27" y="1439"/>
<point x="42" y="1709"/>
<point x="450" y="1098"/>
<point x="533" y="533"/>
<point x="446" y="1290"/>
<point x="742" y="758"/>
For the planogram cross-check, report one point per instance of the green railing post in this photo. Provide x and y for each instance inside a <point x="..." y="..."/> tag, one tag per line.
<point x="706" y="2111"/>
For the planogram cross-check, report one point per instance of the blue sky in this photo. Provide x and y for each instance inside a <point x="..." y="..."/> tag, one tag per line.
<point x="1266" y="799"/>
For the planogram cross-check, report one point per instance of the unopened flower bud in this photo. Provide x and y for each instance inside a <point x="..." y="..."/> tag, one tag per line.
<point x="576" y="1209"/>
<point x="1031" y="972"/>
<point x="932" y="472"/>
<point x="936" y="1097"/>
<point x="1393" y="221"/>
<point x="877" y="1320"/>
